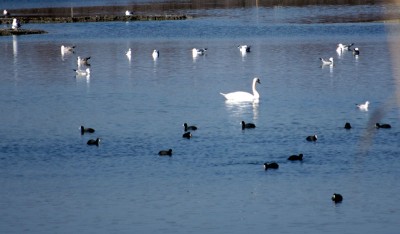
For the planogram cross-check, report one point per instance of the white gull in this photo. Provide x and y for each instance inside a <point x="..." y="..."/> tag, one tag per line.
<point x="363" y="107"/>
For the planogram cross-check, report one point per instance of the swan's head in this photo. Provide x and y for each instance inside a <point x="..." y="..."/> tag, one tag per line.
<point x="367" y="103"/>
<point x="256" y="80"/>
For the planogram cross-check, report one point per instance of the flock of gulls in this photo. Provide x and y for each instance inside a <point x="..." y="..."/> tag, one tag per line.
<point x="340" y="49"/>
<point x="83" y="69"/>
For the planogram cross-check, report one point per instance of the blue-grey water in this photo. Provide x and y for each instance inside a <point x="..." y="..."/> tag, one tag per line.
<point x="52" y="182"/>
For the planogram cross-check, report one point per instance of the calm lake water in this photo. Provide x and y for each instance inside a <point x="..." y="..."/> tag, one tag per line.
<point x="52" y="182"/>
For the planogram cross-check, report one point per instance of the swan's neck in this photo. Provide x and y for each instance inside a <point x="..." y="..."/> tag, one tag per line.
<point x="255" y="93"/>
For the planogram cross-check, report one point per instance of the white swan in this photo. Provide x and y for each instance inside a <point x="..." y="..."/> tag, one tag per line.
<point x="241" y="96"/>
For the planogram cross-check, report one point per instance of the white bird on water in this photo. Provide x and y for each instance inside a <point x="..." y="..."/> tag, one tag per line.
<point x="6" y="13"/>
<point x="363" y="107"/>
<point x="244" y="48"/>
<point x="128" y="13"/>
<point x="155" y="54"/>
<point x="327" y="62"/>
<point x="80" y="72"/>
<point x="67" y="49"/>
<point x="348" y="47"/>
<point x="240" y="96"/>
<point x="356" y="51"/>
<point x="196" y="52"/>
<point x="83" y="61"/>
<point x="129" y="54"/>
<point x="15" y="24"/>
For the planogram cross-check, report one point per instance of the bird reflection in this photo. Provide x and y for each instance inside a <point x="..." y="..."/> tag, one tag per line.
<point x="15" y="46"/>
<point x="240" y="108"/>
<point x="15" y="53"/>
<point x="80" y="78"/>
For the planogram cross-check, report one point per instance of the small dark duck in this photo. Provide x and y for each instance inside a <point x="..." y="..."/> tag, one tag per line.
<point x="378" y="125"/>
<point x="296" y="157"/>
<point x="336" y="197"/>
<point x="312" y="138"/>
<point x="247" y="125"/>
<point x="189" y="128"/>
<point x="187" y="135"/>
<point x="165" y="152"/>
<point x="85" y="130"/>
<point x="94" y="142"/>
<point x="272" y="165"/>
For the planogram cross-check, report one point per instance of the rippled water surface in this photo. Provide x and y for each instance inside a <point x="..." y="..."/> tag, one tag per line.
<point x="52" y="182"/>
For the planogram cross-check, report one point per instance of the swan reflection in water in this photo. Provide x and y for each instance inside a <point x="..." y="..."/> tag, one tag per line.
<point x="238" y="109"/>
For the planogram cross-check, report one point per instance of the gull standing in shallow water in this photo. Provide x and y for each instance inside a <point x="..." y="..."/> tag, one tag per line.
<point x="363" y="107"/>
<point x="6" y="13"/>
<point x="15" y="24"/>
<point x="240" y="96"/>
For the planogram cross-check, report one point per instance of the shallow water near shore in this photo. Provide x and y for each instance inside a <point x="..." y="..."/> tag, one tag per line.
<point x="52" y="182"/>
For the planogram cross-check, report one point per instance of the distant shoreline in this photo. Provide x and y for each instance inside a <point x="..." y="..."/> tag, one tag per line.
<point x="102" y="18"/>
<point x="94" y="18"/>
<point x="160" y="12"/>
